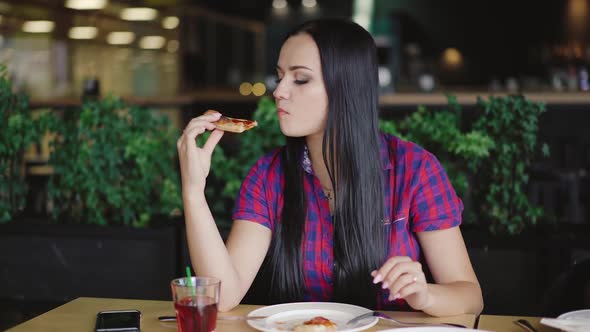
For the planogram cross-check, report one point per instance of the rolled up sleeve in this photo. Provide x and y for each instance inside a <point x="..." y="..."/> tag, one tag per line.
<point x="435" y="204"/>
<point x="252" y="202"/>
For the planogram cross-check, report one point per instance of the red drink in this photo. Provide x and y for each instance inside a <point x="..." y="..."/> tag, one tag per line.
<point x="196" y="314"/>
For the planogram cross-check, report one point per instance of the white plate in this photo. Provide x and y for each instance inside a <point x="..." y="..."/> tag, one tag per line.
<point x="578" y="314"/>
<point x="284" y="317"/>
<point x="431" y="329"/>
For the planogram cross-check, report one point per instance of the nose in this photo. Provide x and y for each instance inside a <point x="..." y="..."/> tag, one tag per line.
<point x="281" y="91"/>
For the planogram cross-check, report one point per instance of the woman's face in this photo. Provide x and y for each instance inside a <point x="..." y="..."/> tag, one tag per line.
<point x="301" y="98"/>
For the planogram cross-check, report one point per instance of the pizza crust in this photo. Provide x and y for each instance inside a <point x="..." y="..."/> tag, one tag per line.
<point x="314" y="328"/>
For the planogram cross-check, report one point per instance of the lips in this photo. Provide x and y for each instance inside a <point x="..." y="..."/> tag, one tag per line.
<point x="281" y="111"/>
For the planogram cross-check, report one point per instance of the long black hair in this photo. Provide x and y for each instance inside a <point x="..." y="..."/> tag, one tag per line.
<point x="350" y="150"/>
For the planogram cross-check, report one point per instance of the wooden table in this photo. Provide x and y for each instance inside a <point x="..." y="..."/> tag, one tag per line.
<point x="80" y="315"/>
<point x="505" y="324"/>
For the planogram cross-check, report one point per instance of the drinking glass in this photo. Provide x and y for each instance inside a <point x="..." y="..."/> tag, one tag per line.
<point x="196" y="303"/>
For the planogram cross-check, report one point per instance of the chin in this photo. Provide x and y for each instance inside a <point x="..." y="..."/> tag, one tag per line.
<point x="299" y="130"/>
<point x="291" y="132"/>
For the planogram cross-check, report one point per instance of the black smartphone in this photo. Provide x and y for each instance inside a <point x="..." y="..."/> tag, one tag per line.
<point x="118" y="320"/>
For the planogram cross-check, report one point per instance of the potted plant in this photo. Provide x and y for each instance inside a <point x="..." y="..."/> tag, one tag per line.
<point x="514" y="241"/>
<point x="115" y="195"/>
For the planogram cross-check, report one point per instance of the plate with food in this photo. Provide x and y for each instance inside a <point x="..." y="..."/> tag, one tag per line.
<point x="311" y="317"/>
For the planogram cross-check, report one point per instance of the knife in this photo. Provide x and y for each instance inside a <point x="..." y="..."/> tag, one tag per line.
<point x="173" y="318"/>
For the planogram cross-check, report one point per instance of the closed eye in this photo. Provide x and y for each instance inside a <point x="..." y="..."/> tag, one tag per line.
<point x="298" y="82"/>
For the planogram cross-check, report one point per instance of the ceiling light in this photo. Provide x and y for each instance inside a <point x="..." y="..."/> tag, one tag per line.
<point x="38" y="26"/>
<point x="139" y="14"/>
<point x="152" y="42"/>
<point x="279" y="4"/>
<point x="170" y="22"/>
<point x="120" y="38"/>
<point x="309" y="3"/>
<point x="83" y="32"/>
<point x="86" y="4"/>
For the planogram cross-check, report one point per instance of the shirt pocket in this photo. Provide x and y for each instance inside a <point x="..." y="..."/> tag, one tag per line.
<point x="400" y="218"/>
<point x="394" y="230"/>
<point x="392" y="227"/>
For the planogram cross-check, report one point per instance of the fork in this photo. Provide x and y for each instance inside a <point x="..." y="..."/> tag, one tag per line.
<point x="390" y="319"/>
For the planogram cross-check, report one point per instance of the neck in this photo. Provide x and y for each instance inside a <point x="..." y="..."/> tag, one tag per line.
<point x="314" y="146"/>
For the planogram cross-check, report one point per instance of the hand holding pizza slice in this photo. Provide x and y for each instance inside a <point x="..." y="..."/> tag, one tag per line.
<point x="233" y="125"/>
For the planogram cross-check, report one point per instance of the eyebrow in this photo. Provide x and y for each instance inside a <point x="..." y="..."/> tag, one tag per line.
<point x="294" y="67"/>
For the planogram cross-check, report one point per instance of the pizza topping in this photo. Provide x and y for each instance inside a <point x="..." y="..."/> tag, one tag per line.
<point x="317" y="324"/>
<point x="319" y="320"/>
<point x="233" y="125"/>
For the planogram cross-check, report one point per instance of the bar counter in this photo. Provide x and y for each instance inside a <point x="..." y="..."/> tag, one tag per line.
<point x="386" y="100"/>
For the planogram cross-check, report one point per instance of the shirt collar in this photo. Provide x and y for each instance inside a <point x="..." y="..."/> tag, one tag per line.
<point x="383" y="150"/>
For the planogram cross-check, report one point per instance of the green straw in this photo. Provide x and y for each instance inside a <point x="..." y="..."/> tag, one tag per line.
<point x="190" y="280"/>
<point x="188" y="275"/>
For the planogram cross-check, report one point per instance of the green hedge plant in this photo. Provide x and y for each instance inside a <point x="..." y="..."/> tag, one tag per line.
<point x="512" y="122"/>
<point x="18" y="130"/>
<point x="113" y="165"/>
<point x="440" y="132"/>
<point x="437" y="130"/>
<point x="487" y="160"/>
<point x="489" y="163"/>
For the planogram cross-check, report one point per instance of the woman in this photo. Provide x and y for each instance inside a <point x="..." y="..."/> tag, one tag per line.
<point x="342" y="212"/>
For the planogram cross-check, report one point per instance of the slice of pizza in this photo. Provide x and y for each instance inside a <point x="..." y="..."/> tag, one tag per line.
<point x="233" y="125"/>
<point x="317" y="324"/>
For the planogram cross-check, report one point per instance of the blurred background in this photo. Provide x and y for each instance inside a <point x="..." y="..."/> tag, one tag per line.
<point x="181" y="57"/>
<point x="160" y="48"/>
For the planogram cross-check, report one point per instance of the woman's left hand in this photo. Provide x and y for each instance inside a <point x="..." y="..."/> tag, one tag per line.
<point x="405" y="279"/>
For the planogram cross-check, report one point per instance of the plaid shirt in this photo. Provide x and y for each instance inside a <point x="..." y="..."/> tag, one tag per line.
<point x="421" y="196"/>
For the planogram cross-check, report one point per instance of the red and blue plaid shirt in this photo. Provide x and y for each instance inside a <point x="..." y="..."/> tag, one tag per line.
<point x="421" y="196"/>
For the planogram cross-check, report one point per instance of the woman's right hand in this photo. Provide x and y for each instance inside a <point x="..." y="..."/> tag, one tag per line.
<point x="196" y="161"/>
